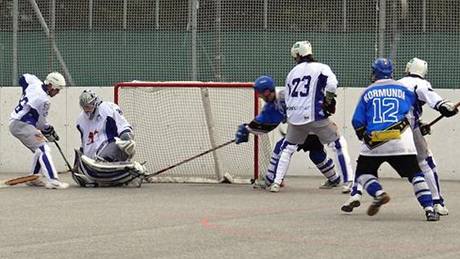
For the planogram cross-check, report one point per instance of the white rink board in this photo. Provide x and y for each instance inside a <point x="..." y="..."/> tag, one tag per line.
<point x="64" y="110"/>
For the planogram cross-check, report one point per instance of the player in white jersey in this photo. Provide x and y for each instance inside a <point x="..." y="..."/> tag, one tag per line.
<point x="28" y="123"/>
<point x="381" y="122"/>
<point x="310" y="99"/>
<point x="415" y="81"/>
<point x="272" y="114"/>
<point x="107" y="146"/>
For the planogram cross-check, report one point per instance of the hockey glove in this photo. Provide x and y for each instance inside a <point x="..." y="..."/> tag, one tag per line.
<point x="447" y="109"/>
<point x="425" y="129"/>
<point x="329" y="104"/>
<point x="50" y="134"/>
<point x="242" y="134"/>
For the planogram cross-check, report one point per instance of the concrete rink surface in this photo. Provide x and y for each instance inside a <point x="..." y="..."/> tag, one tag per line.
<point x="221" y="221"/>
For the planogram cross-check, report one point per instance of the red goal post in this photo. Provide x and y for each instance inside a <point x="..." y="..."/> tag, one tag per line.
<point x="174" y="121"/>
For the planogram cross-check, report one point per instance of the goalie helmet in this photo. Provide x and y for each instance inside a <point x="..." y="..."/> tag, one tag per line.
<point x="56" y="80"/>
<point x="301" y="48"/>
<point x="264" y="83"/>
<point x="417" y="67"/>
<point x="89" y="102"/>
<point x="382" y="68"/>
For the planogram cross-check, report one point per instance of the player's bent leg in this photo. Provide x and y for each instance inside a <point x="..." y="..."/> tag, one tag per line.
<point x="423" y="194"/>
<point x="373" y="187"/>
<point x="48" y="169"/>
<point x="340" y="148"/>
<point x="271" y="171"/>
<point x="433" y="183"/>
<point x="288" y="150"/>
<point x="36" y="170"/>
<point x="326" y="166"/>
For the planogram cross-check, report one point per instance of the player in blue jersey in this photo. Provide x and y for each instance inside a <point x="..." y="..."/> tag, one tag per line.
<point x="28" y="123"/>
<point x="274" y="113"/>
<point x="381" y="122"/>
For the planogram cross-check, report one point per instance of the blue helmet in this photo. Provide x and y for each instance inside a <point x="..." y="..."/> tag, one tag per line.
<point x="382" y="68"/>
<point x="264" y="83"/>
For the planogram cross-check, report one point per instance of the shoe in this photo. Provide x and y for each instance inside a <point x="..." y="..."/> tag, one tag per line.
<point x="352" y="202"/>
<point x="329" y="184"/>
<point x="346" y="188"/>
<point x="378" y="201"/>
<point x="274" y="187"/>
<point x="441" y="209"/>
<point x="36" y="183"/>
<point x="56" y="184"/>
<point x="431" y="215"/>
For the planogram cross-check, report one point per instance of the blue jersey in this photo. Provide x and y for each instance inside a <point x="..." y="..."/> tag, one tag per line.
<point x="383" y="104"/>
<point x="272" y="114"/>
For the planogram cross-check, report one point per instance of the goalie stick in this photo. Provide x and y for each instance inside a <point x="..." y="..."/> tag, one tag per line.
<point x="441" y="116"/>
<point x="18" y="180"/>
<point x="190" y="159"/>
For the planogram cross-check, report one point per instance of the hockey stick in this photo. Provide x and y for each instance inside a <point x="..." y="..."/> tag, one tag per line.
<point x="18" y="180"/>
<point x="63" y="156"/>
<point x="190" y="159"/>
<point x="441" y="116"/>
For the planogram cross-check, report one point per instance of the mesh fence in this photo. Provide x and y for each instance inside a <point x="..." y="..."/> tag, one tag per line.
<point x="99" y="42"/>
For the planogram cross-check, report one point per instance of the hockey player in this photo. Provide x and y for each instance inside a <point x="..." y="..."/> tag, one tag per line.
<point x="107" y="146"/>
<point x="415" y="81"/>
<point x="28" y="123"/>
<point x="274" y="113"/>
<point x="381" y="122"/>
<point x="310" y="100"/>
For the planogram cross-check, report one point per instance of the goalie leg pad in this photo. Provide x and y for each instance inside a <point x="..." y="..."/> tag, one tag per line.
<point x="110" y="173"/>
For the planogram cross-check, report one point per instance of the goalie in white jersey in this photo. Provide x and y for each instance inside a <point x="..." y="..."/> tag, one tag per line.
<point x="107" y="146"/>
<point x="28" y="123"/>
<point x="310" y="100"/>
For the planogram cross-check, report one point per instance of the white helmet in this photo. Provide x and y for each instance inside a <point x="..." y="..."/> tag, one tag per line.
<point x="301" y="48"/>
<point x="56" y="80"/>
<point x="417" y="66"/>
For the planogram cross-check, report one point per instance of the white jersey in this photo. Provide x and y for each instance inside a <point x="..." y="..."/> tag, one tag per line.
<point x="108" y="123"/>
<point x="305" y="90"/>
<point x="34" y="104"/>
<point x="424" y="93"/>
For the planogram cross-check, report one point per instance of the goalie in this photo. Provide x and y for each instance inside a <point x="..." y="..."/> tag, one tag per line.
<point x="107" y="146"/>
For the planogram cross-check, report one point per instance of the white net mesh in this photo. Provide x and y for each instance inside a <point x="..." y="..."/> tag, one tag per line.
<point x="174" y="123"/>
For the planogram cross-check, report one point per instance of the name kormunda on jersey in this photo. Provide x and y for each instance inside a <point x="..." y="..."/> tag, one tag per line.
<point x="384" y="93"/>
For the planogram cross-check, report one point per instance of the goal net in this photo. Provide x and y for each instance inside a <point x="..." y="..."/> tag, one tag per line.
<point x="176" y="121"/>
